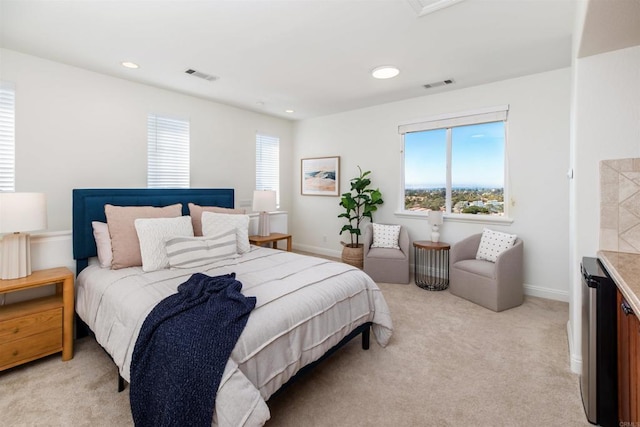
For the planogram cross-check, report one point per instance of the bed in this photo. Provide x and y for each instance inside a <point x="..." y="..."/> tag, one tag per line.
<point x="306" y="307"/>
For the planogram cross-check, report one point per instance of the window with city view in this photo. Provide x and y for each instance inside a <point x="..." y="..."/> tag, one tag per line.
<point x="456" y="169"/>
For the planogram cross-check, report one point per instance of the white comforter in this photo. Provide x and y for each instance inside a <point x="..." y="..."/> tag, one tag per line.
<point x="305" y="306"/>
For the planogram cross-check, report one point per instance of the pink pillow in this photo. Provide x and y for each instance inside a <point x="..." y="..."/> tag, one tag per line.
<point x="196" y="215"/>
<point x="103" y="243"/>
<point x="124" y="238"/>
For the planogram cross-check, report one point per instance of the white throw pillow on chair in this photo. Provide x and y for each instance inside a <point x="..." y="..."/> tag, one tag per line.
<point x="385" y="236"/>
<point x="493" y="243"/>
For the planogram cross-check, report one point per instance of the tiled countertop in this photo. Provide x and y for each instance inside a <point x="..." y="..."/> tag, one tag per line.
<point x="624" y="268"/>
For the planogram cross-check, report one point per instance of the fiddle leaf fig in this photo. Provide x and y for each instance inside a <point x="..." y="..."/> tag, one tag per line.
<point x="358" y="204"/>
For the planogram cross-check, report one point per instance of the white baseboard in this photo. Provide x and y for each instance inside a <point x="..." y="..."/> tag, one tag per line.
<point x="554" y="294"/>
<point x="535" y="291"/>
<point x="575" y="359"/>
<point x="316" y="250"/>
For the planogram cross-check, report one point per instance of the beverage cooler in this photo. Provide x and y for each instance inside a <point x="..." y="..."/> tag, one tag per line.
<point x="598" y="381"/>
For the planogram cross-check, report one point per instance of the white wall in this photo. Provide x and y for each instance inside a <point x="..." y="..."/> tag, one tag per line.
<point x="538" y="156"/>
<point x="606" y="116"/>
<point x="607" y="126"/>
<point x="80" y="129"/>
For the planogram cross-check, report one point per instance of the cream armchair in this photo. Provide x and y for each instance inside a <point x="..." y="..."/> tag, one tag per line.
<point x="497" y="286"/>
<point x="384" y="264"/>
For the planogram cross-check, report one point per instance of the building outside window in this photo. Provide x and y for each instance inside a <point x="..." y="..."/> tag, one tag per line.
<point x="456" y="163"/>
<point x="7" y="136"/>
<point x="167" y="152"/>
<point x="268" y="164"/>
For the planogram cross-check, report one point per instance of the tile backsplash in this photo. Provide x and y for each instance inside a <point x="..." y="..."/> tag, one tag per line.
<point x="620" y="205"/>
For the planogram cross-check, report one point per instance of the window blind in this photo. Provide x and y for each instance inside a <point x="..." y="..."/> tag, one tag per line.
<point x="487" y="115"/>
<point x="7" y="136"/>
<point x="268" y="163"/>
<point x="167" y="152"/>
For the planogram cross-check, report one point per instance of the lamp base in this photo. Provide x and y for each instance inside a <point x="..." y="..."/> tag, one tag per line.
<point x="435" y="234"/>
<point x="263" y="224"/>
<point x="16" y="256"/>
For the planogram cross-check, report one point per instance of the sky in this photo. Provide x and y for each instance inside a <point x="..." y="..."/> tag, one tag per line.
<point x="477" y="157"/>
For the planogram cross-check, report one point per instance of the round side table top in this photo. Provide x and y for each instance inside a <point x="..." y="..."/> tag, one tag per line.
<point x="428" y="244"/>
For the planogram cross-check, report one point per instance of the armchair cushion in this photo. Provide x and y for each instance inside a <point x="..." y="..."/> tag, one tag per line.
<point x="387" y="253"/>
<point x="493" y="243"/>
<point x="477" y="266"/>
<point x="385" y="236"/>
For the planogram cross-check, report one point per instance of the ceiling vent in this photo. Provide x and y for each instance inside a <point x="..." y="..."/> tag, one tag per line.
<point x="207" y="77"/>
<point x="437" y="84"/>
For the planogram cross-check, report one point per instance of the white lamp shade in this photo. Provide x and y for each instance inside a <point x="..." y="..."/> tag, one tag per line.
<point x="22" y="212"/>
<point x="264" y="200"/>
<point x="435" y="217"/>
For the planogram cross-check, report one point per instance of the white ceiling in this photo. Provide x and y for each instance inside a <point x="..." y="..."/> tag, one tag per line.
<point x="311" y="56"/>
<point x="610" y="25"/>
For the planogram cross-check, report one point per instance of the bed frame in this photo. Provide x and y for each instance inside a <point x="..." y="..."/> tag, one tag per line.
<point x="88" y="206"/>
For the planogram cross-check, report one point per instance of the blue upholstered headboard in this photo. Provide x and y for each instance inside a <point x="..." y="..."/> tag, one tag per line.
<point x="88" y="205"/>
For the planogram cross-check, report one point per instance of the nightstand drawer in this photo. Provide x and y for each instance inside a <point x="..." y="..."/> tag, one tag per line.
<point x="32" y="324"/>
<point x="19" y="351"/>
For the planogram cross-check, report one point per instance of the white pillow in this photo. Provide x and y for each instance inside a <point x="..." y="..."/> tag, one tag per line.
<point x="214" y="223"/>
<point x="190" y="252"/>
<point x="493" y="243"/>
<point x="385" y="236"/>
<point x="153" y="232"/>
<point x="103" y="243"/>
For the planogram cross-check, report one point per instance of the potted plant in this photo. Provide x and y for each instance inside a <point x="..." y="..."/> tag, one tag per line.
<point x="359" y="203"/>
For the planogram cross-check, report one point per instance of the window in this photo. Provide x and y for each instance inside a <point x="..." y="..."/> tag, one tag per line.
<point x="456" y="163"/>
<point x="7" y="136"/>
<point x="268" y="164"/>
<point x="167" y="152"/>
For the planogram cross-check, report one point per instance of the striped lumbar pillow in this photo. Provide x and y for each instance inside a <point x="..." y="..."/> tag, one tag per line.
<point x="189" y="252"/>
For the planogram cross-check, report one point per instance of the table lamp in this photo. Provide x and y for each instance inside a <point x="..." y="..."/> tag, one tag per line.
<point x="264" y="201"/>
<point x="19" y="214"/>
<point x="435" y="219"/>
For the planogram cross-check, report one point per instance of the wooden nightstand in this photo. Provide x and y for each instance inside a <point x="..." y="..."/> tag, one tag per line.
<point x="271" y="238"/>
<point x="36" y="328"/>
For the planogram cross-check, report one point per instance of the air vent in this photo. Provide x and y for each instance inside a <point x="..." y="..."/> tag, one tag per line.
<point x="437" y="84"/>
<point x="207" y="77"/>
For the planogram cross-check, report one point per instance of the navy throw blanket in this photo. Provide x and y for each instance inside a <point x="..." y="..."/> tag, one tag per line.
<point x="182" y="349"/>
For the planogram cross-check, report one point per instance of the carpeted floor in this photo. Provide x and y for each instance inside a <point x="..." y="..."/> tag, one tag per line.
<point x="449" y="363"/>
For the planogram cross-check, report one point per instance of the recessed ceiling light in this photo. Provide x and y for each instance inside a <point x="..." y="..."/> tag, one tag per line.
<point x="289" y="111"/>
<point x="385" y="72"/>
<point x="130" y="64"/>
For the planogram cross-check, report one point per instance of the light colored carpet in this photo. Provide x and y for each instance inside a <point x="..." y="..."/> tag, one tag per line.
<point x="449" y="363"/>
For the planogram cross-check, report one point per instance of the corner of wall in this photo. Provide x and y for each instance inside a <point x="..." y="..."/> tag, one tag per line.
<point x="575" y="358"/>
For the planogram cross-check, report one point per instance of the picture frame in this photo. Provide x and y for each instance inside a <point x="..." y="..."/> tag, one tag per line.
<point x="320" y="176"/>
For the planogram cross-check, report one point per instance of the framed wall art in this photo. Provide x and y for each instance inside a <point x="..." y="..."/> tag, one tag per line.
<point x="320" y="176"/>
